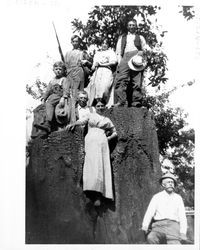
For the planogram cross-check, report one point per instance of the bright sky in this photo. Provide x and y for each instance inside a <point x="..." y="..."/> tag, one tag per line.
<point x="27" y="36"/>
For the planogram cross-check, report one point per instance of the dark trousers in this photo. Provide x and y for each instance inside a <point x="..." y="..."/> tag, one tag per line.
<point x="128" y="83"/>
<point x="50" y="104"/>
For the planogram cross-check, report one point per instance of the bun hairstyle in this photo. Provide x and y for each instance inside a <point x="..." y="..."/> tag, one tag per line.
<point x="96" y="100"/>
<point x="76" y="36"/>
<point x="59" y="64"/>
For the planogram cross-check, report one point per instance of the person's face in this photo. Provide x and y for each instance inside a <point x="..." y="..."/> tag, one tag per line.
<point x="132" y="26"/>
<point x="100" y="107"/>
<point x="168" y="185"/>
<point x="104" y="45"/>
<point x="82" y="100"/>
<point x="75" y="43"/>
<point x="58" y="71"/>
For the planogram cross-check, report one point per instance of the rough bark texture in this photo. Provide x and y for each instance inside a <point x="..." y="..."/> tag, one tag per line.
<point x="57" y="211"/>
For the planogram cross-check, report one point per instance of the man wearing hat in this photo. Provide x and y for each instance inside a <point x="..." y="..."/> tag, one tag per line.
<point x="128" y="81"/>
<point x="165" y="220"/>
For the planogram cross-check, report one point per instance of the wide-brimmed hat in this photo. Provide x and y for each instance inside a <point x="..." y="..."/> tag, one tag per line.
<point x="137" y="62"/>
<point x="168" y="175"/>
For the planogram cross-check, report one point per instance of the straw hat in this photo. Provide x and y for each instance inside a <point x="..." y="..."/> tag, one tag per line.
<point x="168" y="175"/>
<point x="137" y="63"/>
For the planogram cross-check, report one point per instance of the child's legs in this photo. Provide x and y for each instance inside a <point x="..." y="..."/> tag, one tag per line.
<point x="51" y="103"/>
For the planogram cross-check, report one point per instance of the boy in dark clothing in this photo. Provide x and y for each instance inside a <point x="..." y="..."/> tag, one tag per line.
<point x="57" y="92"/>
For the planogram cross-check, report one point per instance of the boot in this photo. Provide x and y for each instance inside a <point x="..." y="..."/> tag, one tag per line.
<point x="46" y="126"/>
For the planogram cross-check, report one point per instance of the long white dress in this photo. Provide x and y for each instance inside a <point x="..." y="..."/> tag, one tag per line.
<point x="102" y="78"/>
<point x="97" y="174"/>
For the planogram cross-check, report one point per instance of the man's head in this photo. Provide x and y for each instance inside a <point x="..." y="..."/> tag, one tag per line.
<point x="76" y="41"/>
<point x="59" y="69"/>
<point x="132" y="26"/>
<point x="168" y="182"/>
<point x="82" y="98"/>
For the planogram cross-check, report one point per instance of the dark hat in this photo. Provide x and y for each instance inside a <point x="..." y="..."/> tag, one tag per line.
<point x="168" y="175"/>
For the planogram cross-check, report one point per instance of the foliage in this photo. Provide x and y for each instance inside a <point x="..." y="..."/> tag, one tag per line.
<point x="187" y="11"/>
<point x="37" y="89"/>
<point x="176" y="143"/>
<point x="111" y="22"/>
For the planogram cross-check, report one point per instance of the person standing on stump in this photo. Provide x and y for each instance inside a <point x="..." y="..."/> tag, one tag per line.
<point x="130" y="48"/>
<point x="165" y="219"/>
<point x="78" y="65"/>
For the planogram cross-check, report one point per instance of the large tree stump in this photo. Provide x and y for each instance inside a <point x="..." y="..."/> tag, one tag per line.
<point x="57" y="210"/>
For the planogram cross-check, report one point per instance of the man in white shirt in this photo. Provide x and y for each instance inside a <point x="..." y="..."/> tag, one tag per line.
<point x="129" y="45"/>
<point x="165" y="220"/>
<point x="82" y="108"/>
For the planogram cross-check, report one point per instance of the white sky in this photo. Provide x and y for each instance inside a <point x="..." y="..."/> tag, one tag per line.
<point x="26" y="37"/>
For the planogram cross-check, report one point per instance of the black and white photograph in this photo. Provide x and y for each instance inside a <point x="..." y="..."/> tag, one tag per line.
<point x="100" y="124"/>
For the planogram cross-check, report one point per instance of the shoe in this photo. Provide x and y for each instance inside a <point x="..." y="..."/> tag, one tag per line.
<point x="40" y="134"/>
<point x="97" y="203"/>
<point x="137" y="105"/>
<point x="116" y="105"/>
<point x="46" y="126"/>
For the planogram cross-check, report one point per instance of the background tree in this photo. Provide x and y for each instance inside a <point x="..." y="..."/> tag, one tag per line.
<point x="111" y="21"/>
<point x="176" y="140"/>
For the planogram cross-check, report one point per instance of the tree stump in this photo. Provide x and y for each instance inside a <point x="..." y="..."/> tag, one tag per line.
<point x="57" y="210"/>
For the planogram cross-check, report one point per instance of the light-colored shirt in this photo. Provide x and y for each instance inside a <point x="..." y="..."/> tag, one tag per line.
<point x="84" y="111"/>
<point x="166" y="206"/>
<point x="130" y="45"/>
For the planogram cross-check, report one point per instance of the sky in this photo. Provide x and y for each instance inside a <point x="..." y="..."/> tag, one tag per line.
<point x="27" y="37"/>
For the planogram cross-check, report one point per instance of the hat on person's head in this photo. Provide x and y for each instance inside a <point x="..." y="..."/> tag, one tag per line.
<point x="168" y="175"/>
<point x="137" y="62"/>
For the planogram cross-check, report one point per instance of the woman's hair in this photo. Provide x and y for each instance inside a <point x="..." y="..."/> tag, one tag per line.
<point x="76" y="36"/>
<point x="105" y="39"/>
<point x="96" y="100"/>
<point x="59" y="64"/>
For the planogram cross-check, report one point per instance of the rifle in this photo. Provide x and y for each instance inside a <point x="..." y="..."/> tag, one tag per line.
<point x="59" y="47"/>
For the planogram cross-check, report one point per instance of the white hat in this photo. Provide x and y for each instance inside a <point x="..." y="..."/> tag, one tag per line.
<point x="137" y="63"/>
<point x="168" y="175"/>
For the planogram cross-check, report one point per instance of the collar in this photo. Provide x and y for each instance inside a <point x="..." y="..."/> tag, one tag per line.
<point x="79" y="107"/>
<point x="129" y="33"/>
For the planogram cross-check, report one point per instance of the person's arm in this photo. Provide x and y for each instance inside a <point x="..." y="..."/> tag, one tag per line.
<point x="79" y="122"/>
<point x="149" y="214"/>
<point x="118" y="50"/>
<point x="144" y="45"/>
<point x="66" y="88"/>
<point x="46" y="93"/>
<point x="86" y="60"/>
<point x="112" y="60"/>
<point x="183" y="220"/>
<point x="113" y="135"/>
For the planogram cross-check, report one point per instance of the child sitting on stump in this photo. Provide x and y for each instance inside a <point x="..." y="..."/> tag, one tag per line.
<point x="56" y="93"/>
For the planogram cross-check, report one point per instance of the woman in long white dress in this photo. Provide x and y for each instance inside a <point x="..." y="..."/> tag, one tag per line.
<point x="97" y="175"/>
<point x="100" y="85"/>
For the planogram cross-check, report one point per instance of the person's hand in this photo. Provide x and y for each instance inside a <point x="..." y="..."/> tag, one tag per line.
<point x="83" y="62"/>
<point x="42" y="100"/>
<point x="183" y="237"/>
<point x="140" y="53"/>
<point x="145" y="229"/>
<point x="96" y="64"/>
<point x="61" y="102"/>
<point x="70" y="127"/>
